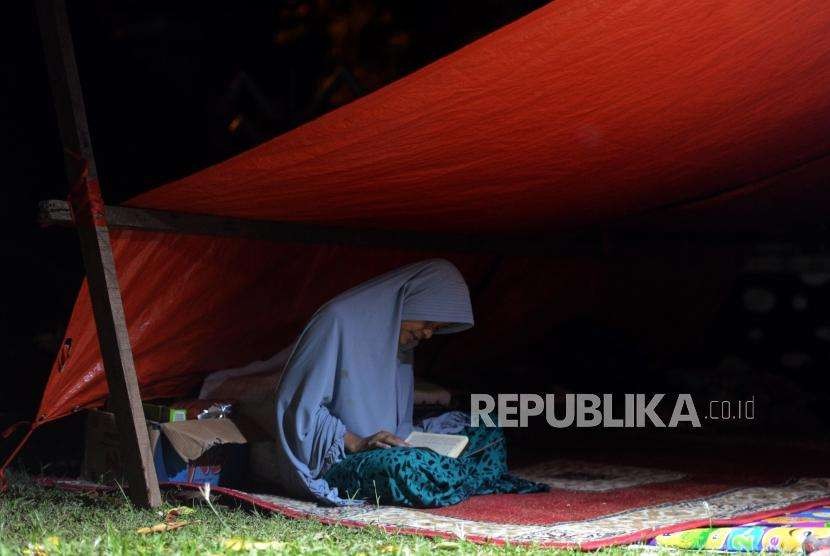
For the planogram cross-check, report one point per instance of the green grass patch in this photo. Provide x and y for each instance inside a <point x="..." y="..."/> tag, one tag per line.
<point x="39" y="520"/>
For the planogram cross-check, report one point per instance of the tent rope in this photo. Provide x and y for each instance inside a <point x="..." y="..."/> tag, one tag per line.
<point x="4" y="482"/>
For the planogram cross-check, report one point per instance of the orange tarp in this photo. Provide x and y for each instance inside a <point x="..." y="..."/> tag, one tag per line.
<point x="585" y="113"/>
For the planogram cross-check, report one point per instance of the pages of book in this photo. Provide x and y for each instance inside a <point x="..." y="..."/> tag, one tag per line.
<point x="450" y="445"/>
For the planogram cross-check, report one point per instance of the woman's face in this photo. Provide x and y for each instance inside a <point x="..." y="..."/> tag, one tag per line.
<point x="415" y="331"/>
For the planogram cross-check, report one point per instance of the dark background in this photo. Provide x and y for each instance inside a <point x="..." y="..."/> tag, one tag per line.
<point x="172" y="87"/>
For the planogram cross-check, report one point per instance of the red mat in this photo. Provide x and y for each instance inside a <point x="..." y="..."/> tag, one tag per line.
<point x="589" y="506"/>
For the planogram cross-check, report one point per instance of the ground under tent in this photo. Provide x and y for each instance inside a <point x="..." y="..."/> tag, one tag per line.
<point x="602" y="161"/>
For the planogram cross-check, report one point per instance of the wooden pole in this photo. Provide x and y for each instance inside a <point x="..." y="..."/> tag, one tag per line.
<point x="590" y="243"/>
<point x="57" y="213"/>
<point x="90" y="220"/>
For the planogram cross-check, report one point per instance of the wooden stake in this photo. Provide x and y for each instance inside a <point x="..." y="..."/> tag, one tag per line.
<point x="89" y="217"/>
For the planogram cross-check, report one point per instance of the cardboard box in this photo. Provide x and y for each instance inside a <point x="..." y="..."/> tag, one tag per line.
<point x="102" y="451"/>
<point x="198" y="451"/>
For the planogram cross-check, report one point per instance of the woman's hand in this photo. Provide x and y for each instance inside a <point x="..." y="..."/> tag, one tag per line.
<point x="381" y="439"/>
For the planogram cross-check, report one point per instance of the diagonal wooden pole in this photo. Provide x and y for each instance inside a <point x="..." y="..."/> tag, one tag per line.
<point x="88" y="214"/>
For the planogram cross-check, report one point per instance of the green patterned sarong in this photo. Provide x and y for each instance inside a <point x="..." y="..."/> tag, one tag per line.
<point x="421" y="478"/>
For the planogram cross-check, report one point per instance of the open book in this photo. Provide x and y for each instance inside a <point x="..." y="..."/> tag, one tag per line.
<point x="450" y="445"/>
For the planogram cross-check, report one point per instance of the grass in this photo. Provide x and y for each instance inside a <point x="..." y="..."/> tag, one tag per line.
<point x="37" y="520"/>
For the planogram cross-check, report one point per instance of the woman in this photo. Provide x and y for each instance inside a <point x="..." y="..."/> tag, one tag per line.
<point x="344" y="403"/>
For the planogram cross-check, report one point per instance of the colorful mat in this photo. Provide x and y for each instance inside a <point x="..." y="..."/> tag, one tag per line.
<point x="785" y="533"/>
<point x="590" y="506"/>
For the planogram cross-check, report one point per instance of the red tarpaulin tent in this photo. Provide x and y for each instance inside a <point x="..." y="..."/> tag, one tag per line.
<point x="634" y="116"/>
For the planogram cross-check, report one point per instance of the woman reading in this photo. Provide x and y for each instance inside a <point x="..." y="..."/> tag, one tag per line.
<point x="345" y="400"/>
